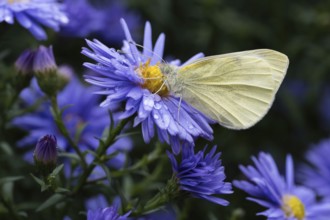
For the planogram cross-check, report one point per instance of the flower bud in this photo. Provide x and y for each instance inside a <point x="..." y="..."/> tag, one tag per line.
<point x="41" y="63"/>
<point x="24" y="63"/>
<point x="45" y="154"/>
<point x="24" y="67"/>
<point x="44" y="61"/>
<point x="45" y="70"/>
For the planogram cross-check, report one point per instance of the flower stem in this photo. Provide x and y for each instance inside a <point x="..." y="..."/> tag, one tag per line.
<point x="102" y="148"/>
<point x="168" y="193"/>
<point x="64" y="131"/>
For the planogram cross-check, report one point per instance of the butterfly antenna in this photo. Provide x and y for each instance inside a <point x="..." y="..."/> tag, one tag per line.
<point x="160" y="88"/>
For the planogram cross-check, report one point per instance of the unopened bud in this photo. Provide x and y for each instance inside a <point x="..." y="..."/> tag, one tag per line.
<point x="45" y="154"/>
<point x="24" y="63"/>
<point x="44" y="60"/>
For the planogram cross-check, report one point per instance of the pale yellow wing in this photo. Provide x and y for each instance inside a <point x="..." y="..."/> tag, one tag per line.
<point x="235" y="89"/>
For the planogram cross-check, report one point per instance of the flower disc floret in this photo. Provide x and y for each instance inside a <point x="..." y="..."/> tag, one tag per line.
<point x="293" y="207"/>
<point x="154" y="80"/>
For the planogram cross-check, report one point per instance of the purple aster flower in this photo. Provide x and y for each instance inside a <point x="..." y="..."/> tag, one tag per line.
<point x="109" y="213"/>
<point x="99" y="20"/>
<point x="136" y="79"/>
<point x="81" y="24"/>
<point x="81" y="114"/>
<point x="31" y="14"/>
<point x="280" y="195"/>
<point x="201" y="175"/>
<point x="96" y="202"/>
<point x="112" y="12"/>
<point x="316" y="174"/>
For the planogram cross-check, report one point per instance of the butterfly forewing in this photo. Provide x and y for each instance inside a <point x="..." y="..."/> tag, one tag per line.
<point x="234" y="89"/>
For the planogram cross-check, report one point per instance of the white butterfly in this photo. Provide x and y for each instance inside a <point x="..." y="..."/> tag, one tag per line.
<point x="234" y="89"/>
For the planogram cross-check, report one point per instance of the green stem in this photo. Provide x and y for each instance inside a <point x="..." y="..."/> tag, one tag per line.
<point x="64" y="131"/>
<point x="154" y="155"/>
<point x="140" y="188"/>
<point x="101" y="150"/>
<point x="170" y="192"/>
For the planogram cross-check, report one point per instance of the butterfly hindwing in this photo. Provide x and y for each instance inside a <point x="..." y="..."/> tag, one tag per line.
<point x="234" y="89"/>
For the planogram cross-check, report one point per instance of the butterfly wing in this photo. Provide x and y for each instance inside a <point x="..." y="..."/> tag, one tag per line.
<point x="235" y="89"/>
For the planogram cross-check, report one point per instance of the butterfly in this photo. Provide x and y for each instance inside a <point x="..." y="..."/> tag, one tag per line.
<point x="234" y="89"/>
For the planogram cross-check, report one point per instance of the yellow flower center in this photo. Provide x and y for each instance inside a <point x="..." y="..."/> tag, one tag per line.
<point x="293" y="207"/>
<point x="153" y="79"/>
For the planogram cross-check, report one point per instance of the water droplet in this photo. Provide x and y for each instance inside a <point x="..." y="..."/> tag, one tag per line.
<point x="148" y="102"/>
<point x="157" y="98"/>
<point x="191" y="127"/>
<point x="157" y="106"/>
<point x="156" y="116"/>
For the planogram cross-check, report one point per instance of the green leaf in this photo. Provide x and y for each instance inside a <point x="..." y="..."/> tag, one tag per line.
<point x="10" y="179"/>
<point x="70" y="155"/>
<point x="91" y="152"/>
<point x="62" y="190"/>
<point x="43" y="185"/>
<point x="6" y="148"/>
<point x="7" y="191"/>
<point x="106" y="170"/>
<point x="4" y="54"/>
<point x="38" y="180"/>
<point x="23" y="214"/>
<point x="79" y="131"/>
<point x="57" y="170"/>
<point x="128" y="134"/>
<point x="53" y="200"/>
<point x="112" y="121"/>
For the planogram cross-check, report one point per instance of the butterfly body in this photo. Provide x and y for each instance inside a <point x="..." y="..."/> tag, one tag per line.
<point x="235" y="89"/>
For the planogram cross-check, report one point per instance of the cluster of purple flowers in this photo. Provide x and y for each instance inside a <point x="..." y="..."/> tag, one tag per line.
<point x="81" y="115"/>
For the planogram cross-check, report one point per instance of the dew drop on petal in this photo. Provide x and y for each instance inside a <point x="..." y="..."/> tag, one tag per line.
<point x="157" y="98"/>
<point x="167" y="119"/>
<point x="157" y="106"/>
<point x="156" y="117"/>
<point x="148" y="102"/>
